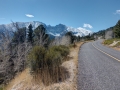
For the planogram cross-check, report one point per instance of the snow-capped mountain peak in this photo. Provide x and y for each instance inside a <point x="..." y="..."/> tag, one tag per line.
<point x="79" y="31"/>
<point x="57" y="30"/>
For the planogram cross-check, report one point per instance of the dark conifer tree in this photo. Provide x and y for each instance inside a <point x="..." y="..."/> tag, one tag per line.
<point x="40" y="35"/>
<point x="30" y="33"/>
<point x="19" y="35"/>
<point x="117" y="30"/>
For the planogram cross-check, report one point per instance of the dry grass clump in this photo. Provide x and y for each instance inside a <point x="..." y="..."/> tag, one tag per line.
<point x="117" y="45"/>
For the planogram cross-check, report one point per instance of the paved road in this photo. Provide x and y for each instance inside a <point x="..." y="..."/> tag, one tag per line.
<point x="96" y="70"/>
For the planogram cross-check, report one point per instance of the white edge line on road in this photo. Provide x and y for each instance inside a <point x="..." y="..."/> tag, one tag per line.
<point x="106" y="53"/>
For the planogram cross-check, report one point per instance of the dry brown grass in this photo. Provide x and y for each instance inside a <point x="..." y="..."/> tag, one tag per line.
<point x="74" y="54"/>
<point x="24" y="81"/>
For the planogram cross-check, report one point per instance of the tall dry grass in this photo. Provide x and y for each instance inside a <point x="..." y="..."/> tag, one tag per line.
<point x="45" y="64"/>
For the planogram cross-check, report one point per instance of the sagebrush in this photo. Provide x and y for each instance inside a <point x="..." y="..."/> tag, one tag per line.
<point x="46" y="63"/>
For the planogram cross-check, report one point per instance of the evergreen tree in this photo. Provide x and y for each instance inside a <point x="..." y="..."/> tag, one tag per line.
<point x="117" y="30"/>
<point x="69" y="34"/>
<point x="79" y="38"/>
<point x="40" y="35"/>
<point x="73" y="37"/>
<point x="19" y="35"/>
<point x="39" y="31"/>
<point x="30" y="33"/>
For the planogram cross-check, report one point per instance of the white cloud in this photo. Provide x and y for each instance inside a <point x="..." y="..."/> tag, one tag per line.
<point x="29" y="15"/>
<point x="2" y="18"/>
<point x="117" y="12"/>
<point x="87" y="26"/>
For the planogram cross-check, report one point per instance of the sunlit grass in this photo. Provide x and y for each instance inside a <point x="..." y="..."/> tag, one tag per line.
<point x="117" y="45"/>
<point x="110" y="41"/>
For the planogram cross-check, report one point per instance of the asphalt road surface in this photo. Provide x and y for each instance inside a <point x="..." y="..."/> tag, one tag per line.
<point x="99" y="67"/>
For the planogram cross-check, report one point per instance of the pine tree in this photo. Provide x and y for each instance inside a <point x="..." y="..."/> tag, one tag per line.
<point x="30" y="33"/>
<point x="79" y="38"/>
<point x="39" y="31"/>
<point x="73" y="37"/>
<point x="40" y="35"/>
<point x="19" y="35"/>
<point x="117" y="30"/>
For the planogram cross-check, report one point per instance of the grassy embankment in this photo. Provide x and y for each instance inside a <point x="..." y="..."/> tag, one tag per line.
<point x="113" y="43"/>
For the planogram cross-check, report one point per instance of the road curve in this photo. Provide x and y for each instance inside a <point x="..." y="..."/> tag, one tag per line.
<point x="97" y="70"/>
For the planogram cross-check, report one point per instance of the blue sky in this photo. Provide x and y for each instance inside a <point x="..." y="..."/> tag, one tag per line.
<point x="93" y="15"/>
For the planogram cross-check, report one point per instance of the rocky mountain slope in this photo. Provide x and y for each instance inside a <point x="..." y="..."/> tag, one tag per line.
<point x="57" y="30"/>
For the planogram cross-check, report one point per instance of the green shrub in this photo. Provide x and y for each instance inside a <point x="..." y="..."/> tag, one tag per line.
<point x="45" y="63"/>
<point x="36" y="58"/>
<point x="53" y="58"/>
<point x="108" y="42"/>
<point x="63" y="50"/>
<point x="40" y="58"/>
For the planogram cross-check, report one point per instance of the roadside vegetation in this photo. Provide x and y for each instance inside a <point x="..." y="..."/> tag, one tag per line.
<point x="117" y="45"/>
<point x="110" y="41"/>
<point x="112" y="32"/>
<point x="66" y="81"/>
<point x="34" y="50"/>
<point x="46" y="63"/>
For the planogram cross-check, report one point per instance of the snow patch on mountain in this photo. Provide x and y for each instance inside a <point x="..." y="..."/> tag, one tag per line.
<point x="54" y="34"/>
<point x="79" y="31"/>
<point x="58" y="30"/>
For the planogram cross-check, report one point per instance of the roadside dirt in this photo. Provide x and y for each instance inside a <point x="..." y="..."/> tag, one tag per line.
<point x="116" y="48"/>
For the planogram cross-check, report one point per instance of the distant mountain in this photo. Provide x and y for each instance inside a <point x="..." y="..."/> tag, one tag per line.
<point x="57" y="30"/>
